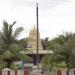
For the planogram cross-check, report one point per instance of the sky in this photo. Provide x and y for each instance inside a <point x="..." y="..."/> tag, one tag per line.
<point x="55" y="16"/>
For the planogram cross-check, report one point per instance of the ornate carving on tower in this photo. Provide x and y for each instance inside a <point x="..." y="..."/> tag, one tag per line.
<point x="32" y="41"/>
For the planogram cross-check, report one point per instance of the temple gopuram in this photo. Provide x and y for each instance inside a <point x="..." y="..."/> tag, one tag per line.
<point x="32" y="49"/>
<point x="32" y="40"/>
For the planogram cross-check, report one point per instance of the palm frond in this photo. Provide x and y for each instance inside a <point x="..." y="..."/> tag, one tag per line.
<point x="10" y="33"/>
<point x="14" y="22"/>
<point x="3" y="38"/>
<point x="5" y="28"/>
<point x="25" y="57"/>
<point x="17" y="32"/>
<point x="8" y="54"/>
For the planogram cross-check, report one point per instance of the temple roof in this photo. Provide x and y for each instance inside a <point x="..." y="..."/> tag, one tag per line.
<point x="35" y="52"/>
<point x="32" y="40"/>
<point x="33" y="29"/>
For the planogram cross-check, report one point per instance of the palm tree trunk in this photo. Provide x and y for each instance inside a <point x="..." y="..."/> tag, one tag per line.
<point x="8" y="63"/>
<point x="67" y="68"/>
<point x="51" y="68"/>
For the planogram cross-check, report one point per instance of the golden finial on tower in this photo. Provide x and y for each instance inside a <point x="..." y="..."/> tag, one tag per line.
<point x="33" y="29"/>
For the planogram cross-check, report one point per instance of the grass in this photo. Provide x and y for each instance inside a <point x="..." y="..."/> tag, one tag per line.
<point x="51" y="73"/>
<point x="61" y="65"/>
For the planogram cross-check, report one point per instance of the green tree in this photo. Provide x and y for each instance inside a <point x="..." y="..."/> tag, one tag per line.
<point x="9" y="47"/>
<point x="24" y="43"/>
<point x="45" y="43"/>
<point x="65" y="50"/>
<point x="48" y="62"/>
<point x="60" y="40"/>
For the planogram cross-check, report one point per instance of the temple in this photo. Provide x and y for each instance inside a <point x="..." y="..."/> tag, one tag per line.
<point x="32" y="46"/>
<point x="32" y="40"/>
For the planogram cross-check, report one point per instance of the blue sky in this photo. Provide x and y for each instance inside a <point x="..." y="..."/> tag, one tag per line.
<point x="55" y="16"/>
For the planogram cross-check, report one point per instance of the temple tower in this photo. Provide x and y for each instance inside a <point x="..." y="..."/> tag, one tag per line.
<point x="32" y="41"/>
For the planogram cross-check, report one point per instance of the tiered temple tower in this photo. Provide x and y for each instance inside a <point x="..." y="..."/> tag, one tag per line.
<point x="32" y="41"/>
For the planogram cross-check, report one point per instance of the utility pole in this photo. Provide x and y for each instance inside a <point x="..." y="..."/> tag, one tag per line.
<point x="37" y="58"/>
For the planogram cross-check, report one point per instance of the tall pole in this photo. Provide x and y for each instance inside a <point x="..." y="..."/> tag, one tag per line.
<point x="37" y="60"/>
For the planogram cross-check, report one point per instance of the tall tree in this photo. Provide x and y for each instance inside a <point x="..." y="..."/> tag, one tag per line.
<point x="66" y="50"/>
<point x="9" y="47"/>
<point x="63" y="50"/>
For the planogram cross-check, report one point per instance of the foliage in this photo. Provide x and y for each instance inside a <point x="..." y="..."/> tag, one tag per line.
<point x="61" y="65"/>
<point x="65" y="52"/>
<point x="63" y="48"/>
<point x="9" y="47"/>
<point x="25" y="57"/>
<point x="48" y="61"/>
<point x="2" y="65"/>
<point x="23" y="43"/>
<point x="45" y="43"/>
<point x="15" y="66"/>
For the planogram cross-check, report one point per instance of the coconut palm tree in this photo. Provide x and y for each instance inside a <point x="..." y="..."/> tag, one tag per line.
<point x="63" y="50"/>
<point x="66" y="50"/>
<point x="9" y="47"/>
<point x="60" y="40"/>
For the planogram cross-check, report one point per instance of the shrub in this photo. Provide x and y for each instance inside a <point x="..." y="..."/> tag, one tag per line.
<point x="2" y="65"/>
<point x="15" y="66"/>
<point x="61" y="65"/>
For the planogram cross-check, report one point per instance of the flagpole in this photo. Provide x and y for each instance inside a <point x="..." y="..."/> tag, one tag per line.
<point x="37" y="59"/>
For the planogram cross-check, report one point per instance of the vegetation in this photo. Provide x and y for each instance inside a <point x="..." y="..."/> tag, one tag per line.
<point x="63" y="50"/>
<point x="45" y="43"/>
<point x="9" y="47"/>
<point x="66" y="49"/>
<point x="2" y="65"/>
<point x="48" y="62"/>
<point x="15" y="66"/>
<point x="24" y="43"/>
<point x="61" y="65"/>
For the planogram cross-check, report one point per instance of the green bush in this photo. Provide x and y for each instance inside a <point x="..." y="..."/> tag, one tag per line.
<point x="61" y="65"/>
<point x="15" y="66"/>
<point x="2" y="65"/>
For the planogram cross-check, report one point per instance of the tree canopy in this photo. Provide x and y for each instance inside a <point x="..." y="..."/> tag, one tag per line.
<point x="63" y="48"/>
<point x="9" y="47"/>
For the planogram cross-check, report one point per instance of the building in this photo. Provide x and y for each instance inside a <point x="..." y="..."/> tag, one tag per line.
<point x="32" y="46"/>
<point x="32" y="40"/>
